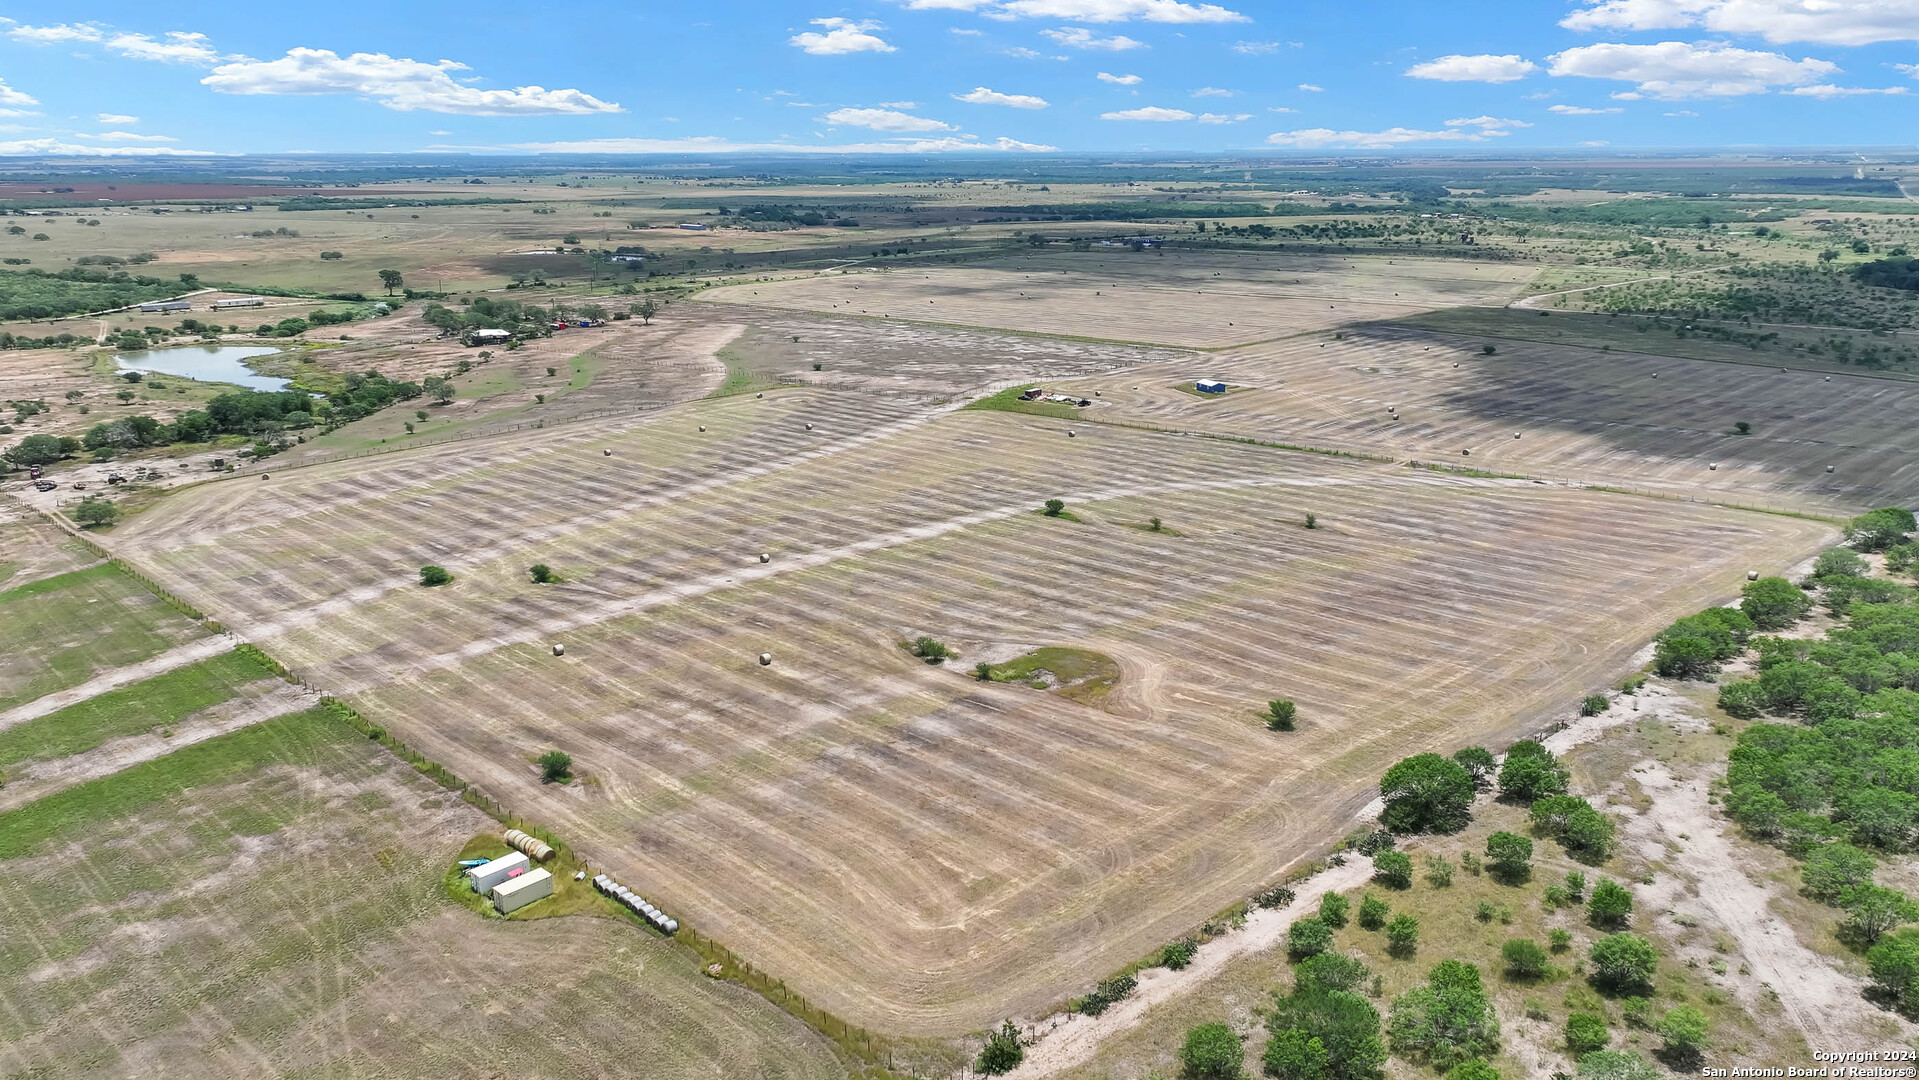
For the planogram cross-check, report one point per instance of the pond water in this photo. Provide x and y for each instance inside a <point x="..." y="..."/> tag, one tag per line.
<point x="206" y="363"/>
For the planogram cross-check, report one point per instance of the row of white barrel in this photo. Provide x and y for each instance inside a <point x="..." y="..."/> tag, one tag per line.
<point x="637" y="904"/>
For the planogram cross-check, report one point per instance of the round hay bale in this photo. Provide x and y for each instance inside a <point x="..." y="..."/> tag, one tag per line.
<point x="1655" y="374"/>
<point x="765" y="558"/>
<point x="1515" y="434"/>
<point x="607" y="453"/>
<point x="702" y="427"/>
<point x="1465" y="453"/>
<point x="759" y="395"/>
<point x="1072" y="434"/>
<point x="1455" y="363"/>
<point x="1752" y="575"/>
<point x="1828" y="378"/>
<point x="1829" y="468"/>
<point x="766" y="659"/>
<point x="559" y="649"/>
<point x="809" y="427"/>
<point x="1712" y="466"/>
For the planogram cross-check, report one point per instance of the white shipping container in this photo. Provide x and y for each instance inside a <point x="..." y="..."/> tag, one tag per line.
<point x="485" y="877"/>
<point x="515" y="893"/>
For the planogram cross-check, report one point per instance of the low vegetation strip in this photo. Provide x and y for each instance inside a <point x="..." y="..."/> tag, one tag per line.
<point x="129" y="710"/>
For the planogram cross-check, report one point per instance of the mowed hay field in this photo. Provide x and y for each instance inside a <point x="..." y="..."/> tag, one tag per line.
<point x="268" y="903"/>
<point x="1585" y="416"/>
<point x="1196" y="299"/>
<point x="909" y="848"/>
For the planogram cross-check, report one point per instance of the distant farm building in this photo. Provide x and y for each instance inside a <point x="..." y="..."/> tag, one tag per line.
<point x="238" y="302"/>
<point x="693" y="226"/>
<point x="165" y="305"/>
<point x="520" y="890"/>
<point x="491" y="337"/>
<point x="1210" y="386"/>
<point x="632" y="258"/>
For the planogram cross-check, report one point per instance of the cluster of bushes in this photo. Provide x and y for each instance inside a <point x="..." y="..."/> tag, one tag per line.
<point x="284" y="328"/>
<point x="1694" y="647"/>
<point x="37" y="294"/>
<point x="1108" y="993"/>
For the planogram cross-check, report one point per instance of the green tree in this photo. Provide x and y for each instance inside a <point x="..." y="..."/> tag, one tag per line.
<point x="96" y="512"/>
<point x="1623" y="963"/>
<point x="1393" y="869"/>
<point x="930" y="650"/>
<point x="1880" y="529"/>
<point x="1373" y="912"/>
<point x="1293" y="1054"/>
<point x="1332" y="910"/>
<point x="1832" y="869"/>
<point x="1509" y="856"/>
<point x="1280" y="715"/>
<point x="646" y="309"/>
<point x="392" y="280"/>
<point x="434" y="575"/>
<point x="1684" y="1030"/>
<point x="1447" y="1021"/>
<point x="542" y="574"/>
<point x="1055" y="507"/>
<point x="37" y="450"/>
<point x="1610" y="905"/>
<point x="1586" y="1033"/>
<point x="1439" y="872"/>
<point x="1178" y="954"/>
<point x="1872" y="911"/>
<point x="1002" y="1052"/>
<point x="1530" y="772"/>
<point x="1426" y="793"/>
<point x="1402" y="936"/>
<point x="1478" y="762"/>
<point x="1308" y="937"/>
<point x="1472" y="1069"/>
<point x="1585" y="833"/>
<point x="1329" y="971"/>
<point x="438" y="387"/>
<point x="555" y="766"/>
<point x="1212" y="1052"/>
<point x="1894" y="967"/>
<point x="1773" y="603"/>
<point x="983" y="671"/>
<point x="1525" y="959"/>
<point x="1838" y="562"/>
<point x="1617" y="1065"/>
<point x="1345" y="1025"/>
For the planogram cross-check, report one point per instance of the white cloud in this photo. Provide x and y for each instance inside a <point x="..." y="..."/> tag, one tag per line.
<point x="883" y="120"/>
<point x="1120" y="80"/>
<point x="1022" y="52"/>
<point x="178" y="47"/>
<point x="1262" y="48"/>
<point x="842" y="36"/>
<point x="117" y="118"/>
<point x="1828" y="22"/>
<point x="1223" y="118"/>
<point x="57" y="148"/>
<point x="1827" y="91"/>
<point x="980" y="95"/>
<point x="1004" y="143"/>
<point x="1104" y="11"/>
<point x="1148" y="112"/>
<point x="1581" y="110"/>
<point x="899" y="104"/>
<point x="1311" y="89"/>
<point x="11" y="97"/>
<point x="964" y="32"/>
<point x="397" y="83"/>
<point x="52" y="35"/>
<point x="439" y="133"/>
<point x="1280" y="108"/>
<point x="1486" y="122"/>
<point x="1321" y="138"/>
<point x="1675" y="70"/>
<point x="713" y="144"/>
<point x="1680" y="112"/>
<point x="1078" y="37"/>
<point x="125" y="137"/>
<point x="1595" y="142"/>
<point x="1213" y="91"/>
<point x="1483" y="67"/>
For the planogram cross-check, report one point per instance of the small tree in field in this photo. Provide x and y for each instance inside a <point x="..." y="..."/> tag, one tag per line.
<point x="1281" y="715"/>
<point x="1478" y="762"/>
<point x="1623" y="963"/>
<point x="1393" y="869"/>
<point x="1373" y="912"/>
<point x="1054" y="507"/>
<point x="542" y="574"/>
<point x="1684" y="1029"/>
<point x="1002" y="1052"/>
<point x="1426" y="793"/>
<point x="555" y="766"/>
<point x="1332" y="910"/>
<point x="434" y="575"/>
<point x="1402" y="935"/>
<point x="1525" y="959"/>
<point x="1211" y="1052"/>
<point x="1610" y="906"/>
<point x="1509" y="856"/>
<point x="392" y="280"/>
<point x="1308" y="937"/>
<point x="646" y="309"/>
<point x="1586" y="1033"/>
<point x="931" y="651"/>
<point x="93" y="513"/>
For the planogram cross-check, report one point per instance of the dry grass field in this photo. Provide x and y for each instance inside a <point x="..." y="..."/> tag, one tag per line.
<point x="1203" y="299"/>
<point x="912" y="849"/>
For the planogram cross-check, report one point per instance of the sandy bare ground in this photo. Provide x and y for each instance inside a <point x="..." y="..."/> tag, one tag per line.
<point x="179" y="656"/>
<point x="271" y="699"/>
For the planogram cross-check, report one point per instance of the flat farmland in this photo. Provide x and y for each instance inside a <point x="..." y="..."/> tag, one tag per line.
<point x="1582" y="415"/>
<point x="1195" y="299"/>
<point x="914" y="850"/>
<point x="61" y="631"/>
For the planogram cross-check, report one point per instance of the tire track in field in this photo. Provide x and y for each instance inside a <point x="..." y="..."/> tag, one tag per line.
<point x="718" y="581"/>
<point x="178" y="656"/>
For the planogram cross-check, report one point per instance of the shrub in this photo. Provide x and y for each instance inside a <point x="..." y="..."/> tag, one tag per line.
<point x="1684" y="1030"/>
<point x="1308" y="937"/>
<point x="1002" y="1052"/>
<point x="1280" y="715"/>
<point x="1623" y="963"/>
<point x="1332" y="910"/>
<point x="1426" y="793"/>
<point x="1509" y="855"/>
<point x="1373" y="912"/>
<point x="1312" y="1025"/>
<point x="1594" y="704"/>
<point x="1439" y="872"/>
<point x="1586" y="1033"/>
<point x="1485" y="911"/>
<point x="434" y="575"/>
<point x="1559" y="940"/>
<point x="1637" y="1011"/>
<point x="1894" y="967"/>
<point x="931" y="651"/>
<point x="1293" y="1054"/>
<point x="1576" y="885"/>
<point x="1108" y="993"/>
<point x="1393" y="869"/>
<point x="1880" y="529"/>
<point x="1525" y="959"/>
<point x="94" y="512"/>
<point x="1178" y="954"/>
<point x="1530" y="772"/>
<point x="1478" y="763"/>
<point x="1831" y="870"/>
<point x="983" y="671"/>
<point x="1744" y="700"/>
<point x="555" y="766"/>
<point x="542" y="574"/>
<point x="1328" y="971"/>
<point x="1584" y="833"/>
<point x="1446" y="1021"/>
<point x="1488" y="350"/>
<point x="1054" y="507"/>
<point x="1873" y="911"/>
<point x="1610" y="905"/>
<point x="1402" y="935"/>
<point x="1211" y="1052"/>
<point x="1617" y="1065"/>
<point x="1374" y="842"/>
<point x="1472" y="1069"/>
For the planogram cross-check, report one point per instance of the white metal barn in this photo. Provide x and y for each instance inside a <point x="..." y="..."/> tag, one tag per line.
<point x="239" y="301"/>
<point x="491" y="874"/>
<point x="515" y="893"/>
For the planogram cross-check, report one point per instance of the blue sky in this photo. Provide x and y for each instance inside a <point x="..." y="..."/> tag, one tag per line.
<point x="79" y="77"/>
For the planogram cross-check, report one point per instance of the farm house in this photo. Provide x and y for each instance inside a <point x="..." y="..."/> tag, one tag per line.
<point x="239" y="302"/>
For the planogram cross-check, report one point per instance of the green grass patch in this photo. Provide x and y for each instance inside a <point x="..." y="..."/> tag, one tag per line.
<point x="741" y="377"/>
<point x="1008" y="401"/>
<point x="142" y="706"/>
<point x="59" y="631"/>
<point x="294" y="739"/>
<point x="57" y="582"/>
<point x="1080" y="675"/>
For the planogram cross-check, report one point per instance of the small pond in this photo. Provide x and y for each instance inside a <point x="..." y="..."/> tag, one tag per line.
<point x="205" y="363"/>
